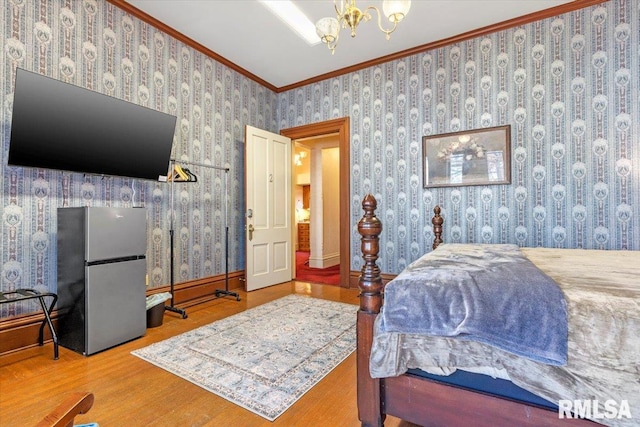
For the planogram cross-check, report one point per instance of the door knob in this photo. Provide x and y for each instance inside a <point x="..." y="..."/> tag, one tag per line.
<point x="250" y="230"/>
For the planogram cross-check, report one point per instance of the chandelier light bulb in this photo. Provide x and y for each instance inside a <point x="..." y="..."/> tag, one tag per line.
<point x="328" y="30"/>
<point x="396" y="10"/>
<point x="349" y="15"/>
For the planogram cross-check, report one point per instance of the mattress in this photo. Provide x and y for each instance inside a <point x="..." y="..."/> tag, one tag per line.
<point x="602" y="291"/>
<point x="487" y="385"/>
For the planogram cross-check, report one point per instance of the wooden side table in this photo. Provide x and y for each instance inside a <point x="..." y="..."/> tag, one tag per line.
<point x="304" y="241"/>
<point x="26" y="294"/>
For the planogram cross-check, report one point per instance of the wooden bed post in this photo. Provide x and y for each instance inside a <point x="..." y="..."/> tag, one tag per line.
<point x="437" y="221"/>
<point x="370" y="411"/>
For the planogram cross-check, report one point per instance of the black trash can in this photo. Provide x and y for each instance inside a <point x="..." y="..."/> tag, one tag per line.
<point x="155" y="315"/>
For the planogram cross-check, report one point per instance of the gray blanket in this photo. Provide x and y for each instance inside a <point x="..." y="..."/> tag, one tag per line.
<point x="488" y="293"/>
<point x="602" y="291"/>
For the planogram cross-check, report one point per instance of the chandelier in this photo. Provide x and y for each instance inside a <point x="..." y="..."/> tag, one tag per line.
<point x="348" y="14"/>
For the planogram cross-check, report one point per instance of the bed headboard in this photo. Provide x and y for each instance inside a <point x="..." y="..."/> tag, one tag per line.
<point x="437" y="221"/>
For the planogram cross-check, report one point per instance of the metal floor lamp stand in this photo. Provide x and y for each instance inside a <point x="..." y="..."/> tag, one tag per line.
<point x="218" y="292"/>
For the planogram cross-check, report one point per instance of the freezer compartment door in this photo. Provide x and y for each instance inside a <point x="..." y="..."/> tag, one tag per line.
<point x="115" y="233"/>
<point x="115" y="304"/>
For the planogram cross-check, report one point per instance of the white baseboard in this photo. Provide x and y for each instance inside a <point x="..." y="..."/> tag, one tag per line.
<point x="326" y="261"/>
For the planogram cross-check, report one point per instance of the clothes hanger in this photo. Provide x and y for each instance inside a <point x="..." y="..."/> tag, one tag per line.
<point x="178" y="175"/>
<point x="192" y="176"/>
<point x="181" y="174"/>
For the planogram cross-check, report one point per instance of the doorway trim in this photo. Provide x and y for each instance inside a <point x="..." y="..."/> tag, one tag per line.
<point x="342" y="128"/>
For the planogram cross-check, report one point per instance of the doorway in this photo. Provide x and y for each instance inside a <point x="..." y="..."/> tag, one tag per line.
<point x="316" y="190"/>
<point x="340" y="127"/>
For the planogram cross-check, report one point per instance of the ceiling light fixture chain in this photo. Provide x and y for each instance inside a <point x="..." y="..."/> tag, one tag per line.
<point x="349" y="15"/>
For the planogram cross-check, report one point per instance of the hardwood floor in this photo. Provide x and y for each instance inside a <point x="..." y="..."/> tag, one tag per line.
<point x="131" y="392"/>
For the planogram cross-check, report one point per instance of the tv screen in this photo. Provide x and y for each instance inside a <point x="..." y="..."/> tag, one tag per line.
<point x="56" y="125"/>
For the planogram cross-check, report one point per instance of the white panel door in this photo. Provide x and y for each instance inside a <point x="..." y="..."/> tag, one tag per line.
<point x="268" y="200"/>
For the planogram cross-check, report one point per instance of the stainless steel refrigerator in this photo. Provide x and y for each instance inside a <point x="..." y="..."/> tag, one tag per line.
<point x="101" y="277"/>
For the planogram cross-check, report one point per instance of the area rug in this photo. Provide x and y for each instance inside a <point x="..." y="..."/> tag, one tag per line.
<point x="265" y="358"/>
<point x="325" y="276"/>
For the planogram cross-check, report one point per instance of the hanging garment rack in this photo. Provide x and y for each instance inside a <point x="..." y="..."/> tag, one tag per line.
<point x="180" y="174"/>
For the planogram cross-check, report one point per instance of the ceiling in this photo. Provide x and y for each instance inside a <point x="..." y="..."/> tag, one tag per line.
<point x="248" y="35"/>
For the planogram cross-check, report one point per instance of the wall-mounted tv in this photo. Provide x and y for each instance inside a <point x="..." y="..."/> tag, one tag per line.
<point x="56" y="125"/>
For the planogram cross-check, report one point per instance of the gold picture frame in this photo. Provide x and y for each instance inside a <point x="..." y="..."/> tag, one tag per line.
<point x="470" y="157"/>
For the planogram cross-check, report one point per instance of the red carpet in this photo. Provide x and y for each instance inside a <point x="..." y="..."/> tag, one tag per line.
<point x="327" y="276"/>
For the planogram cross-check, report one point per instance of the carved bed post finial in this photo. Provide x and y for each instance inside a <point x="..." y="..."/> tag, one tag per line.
<point x="437" y="227"/>
<point x="370" y="282"/>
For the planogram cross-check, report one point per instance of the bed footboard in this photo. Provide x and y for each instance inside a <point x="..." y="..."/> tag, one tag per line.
<point x="371" y="399"/>
<point x="370" y="284"/>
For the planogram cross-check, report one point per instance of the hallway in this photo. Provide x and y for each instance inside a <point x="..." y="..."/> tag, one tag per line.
<point x="326" y="276"/>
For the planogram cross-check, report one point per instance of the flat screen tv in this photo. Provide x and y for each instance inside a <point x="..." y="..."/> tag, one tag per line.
<point x="56" y="125"/>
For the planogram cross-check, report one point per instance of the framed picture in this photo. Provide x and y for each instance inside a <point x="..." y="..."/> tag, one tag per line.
<point x="470" y="157"/>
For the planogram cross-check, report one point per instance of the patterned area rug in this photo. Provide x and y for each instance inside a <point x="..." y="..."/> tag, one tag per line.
<point x="263" y="359"/>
